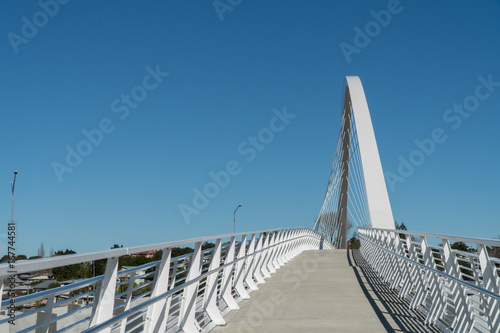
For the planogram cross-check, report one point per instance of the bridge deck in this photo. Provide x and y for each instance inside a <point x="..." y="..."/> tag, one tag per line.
<point x="324" y="291"/>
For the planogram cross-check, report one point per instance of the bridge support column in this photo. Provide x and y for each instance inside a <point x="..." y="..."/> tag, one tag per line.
<point x="341" y="240"/>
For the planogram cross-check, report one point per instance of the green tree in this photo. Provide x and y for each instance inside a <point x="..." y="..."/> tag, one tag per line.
<point x="461" y="246"/>
<point x="63" y="253"/>
<point x="401" y="226"/>
<point x="207" y="245"/>
<point x="69" y="272"/>
<point x="353" y="242"/>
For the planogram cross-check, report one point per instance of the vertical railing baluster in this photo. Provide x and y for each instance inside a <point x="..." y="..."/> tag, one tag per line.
<point x="416" y="272"/>
<point x="210" y="301"/>
<point x="239" y="273"/>
<point x="264" y="257"/>
<point x="105" y="300"/>
<point x="257" y="262"/>
<point x="435" y="287"/>
<point x="463" y="318"/>
<point x="227" y="278"/>
<point x="250" y="265"/>
<point x="270" y="253"/>
<point x="157" y="314"/>
<point x="491" y="282"/>
<point x="48" y="313"/>
<point x="128" y="300"/>
<point x="187" y="320"/>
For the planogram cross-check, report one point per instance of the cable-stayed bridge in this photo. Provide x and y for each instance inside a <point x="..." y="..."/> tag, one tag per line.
<point x="283" y="280"/>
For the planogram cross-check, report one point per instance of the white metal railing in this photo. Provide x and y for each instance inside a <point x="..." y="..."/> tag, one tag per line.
<point x="189" y="293"/>
<point x="456" y="290"/>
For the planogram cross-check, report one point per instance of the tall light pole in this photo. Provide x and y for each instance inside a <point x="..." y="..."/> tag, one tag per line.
<point x="234" y="219"/>
<point x="12" y="186"/>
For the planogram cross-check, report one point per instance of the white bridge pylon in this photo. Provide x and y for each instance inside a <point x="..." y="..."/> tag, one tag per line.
<point x="356" y="192"/>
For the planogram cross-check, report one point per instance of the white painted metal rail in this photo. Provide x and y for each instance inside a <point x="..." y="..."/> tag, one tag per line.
<point x="456" y="290"/>
<point x="189" y="293"/>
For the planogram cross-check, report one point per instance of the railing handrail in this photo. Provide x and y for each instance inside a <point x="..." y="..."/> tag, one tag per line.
<point x="469" y="285"/>
<point x="482" y="241"/>
<point x="455" y="290"/>
<point x="172" y="291"/>
<point x="25" y="266"/>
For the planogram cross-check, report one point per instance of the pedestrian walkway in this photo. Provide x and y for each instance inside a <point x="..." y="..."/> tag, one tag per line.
<point x="324" y="291"/>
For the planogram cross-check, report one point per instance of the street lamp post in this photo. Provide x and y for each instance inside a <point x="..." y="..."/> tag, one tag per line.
<point x="234" y="219"/>
<point x="12" y="186"/>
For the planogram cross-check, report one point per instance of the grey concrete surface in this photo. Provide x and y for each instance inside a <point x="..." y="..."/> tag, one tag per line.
<point x="316" y="292"/>
<point x="320" y="291"/>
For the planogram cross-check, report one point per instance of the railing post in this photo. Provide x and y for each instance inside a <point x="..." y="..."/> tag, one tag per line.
<point x="279" y="257"/>
<point x="294" y="244"/>
<point x="417" y="272"/>
<point x="379" y="262"/>
<point x="387" y="268"/>
<point x="105" y="298"/>
<point x="257" y="262"/>
<point x="264" y="258"/>
<point x="463" y="319"/>
<point x="397" y="262"/>
<point x="123" y="325"/>
<point x="250" y="265"/>
<point x="435" y="292"/>
<point x="48" y="313"/>
<point x="210" y="305"/>
<point x="408" y="280"/>
<point x="187" y="320"/>
<point x="270" y="253"/>
<point x="491" y="283"/>
<point x="156" y="319"/>
<point x="239" y="273"/>
<point x="227" y="278"/>
<point x="287" y="255"/>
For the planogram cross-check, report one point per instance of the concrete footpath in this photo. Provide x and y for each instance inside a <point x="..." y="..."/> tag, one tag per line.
<point x="323" y="291"/>
<point x="315" y="292"/>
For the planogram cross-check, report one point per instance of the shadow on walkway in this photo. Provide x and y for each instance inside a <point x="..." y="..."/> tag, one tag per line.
<point x="394" y="312"/>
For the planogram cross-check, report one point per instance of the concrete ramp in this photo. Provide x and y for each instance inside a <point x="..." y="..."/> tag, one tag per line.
<point x="318" y="291"/>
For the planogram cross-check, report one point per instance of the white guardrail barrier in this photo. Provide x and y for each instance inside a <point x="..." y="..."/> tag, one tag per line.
<point x="453" y="281"/>
<point x="189" y="293"/>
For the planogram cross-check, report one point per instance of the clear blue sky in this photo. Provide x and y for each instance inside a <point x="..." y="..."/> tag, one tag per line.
<point x="225" y="77"/>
